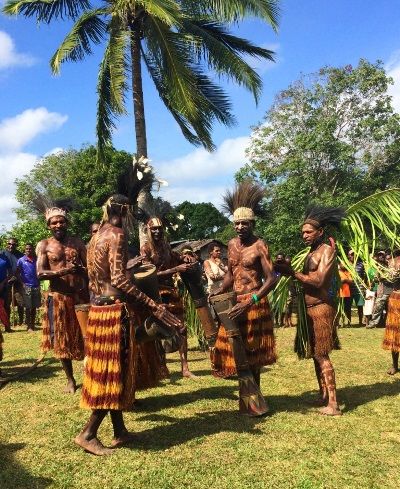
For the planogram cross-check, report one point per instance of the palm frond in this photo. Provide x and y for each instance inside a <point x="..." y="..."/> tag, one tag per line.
<point x="118" y="65"/>
<point x="89" y="28"/>
<point x="235" y="10"/>
<point x="370" y="221"/>
<point x="46" y="10"/>
<point x="105" y="119"/>
<point x="222" y="52"/>
<point x="192" y="98"/>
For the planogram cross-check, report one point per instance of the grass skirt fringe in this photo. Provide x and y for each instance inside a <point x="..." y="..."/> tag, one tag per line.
<point x="67" y="341"/>
<point x="391" y="340"/>
<point x="258" y="337"/>
<point x="322" y="329"/>
<point x="109" y="376"/>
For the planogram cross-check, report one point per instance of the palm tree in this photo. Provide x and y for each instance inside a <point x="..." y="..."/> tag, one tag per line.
<point x="179" y="41"/>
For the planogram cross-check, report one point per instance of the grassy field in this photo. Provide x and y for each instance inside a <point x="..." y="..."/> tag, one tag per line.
<point x="190" y="434"/>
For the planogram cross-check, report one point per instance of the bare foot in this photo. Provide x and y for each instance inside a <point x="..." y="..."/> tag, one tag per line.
<point x="30" y="330"/>
<point x="187" y="374"/>
<point x="392" y="371"/>
<point x="70" y="388"/>
<point x="330" y="411"/>
<point x="123" y="439"/>
<point x="93" y="446"/>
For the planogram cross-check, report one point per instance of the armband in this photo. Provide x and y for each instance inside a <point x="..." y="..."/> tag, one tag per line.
<point x="255" y="299"/>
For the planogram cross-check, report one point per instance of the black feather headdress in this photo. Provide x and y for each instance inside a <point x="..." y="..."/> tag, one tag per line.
<point x="321" y="217"/>
<point x="43" y="204"/>
<point x="244" y="201"/>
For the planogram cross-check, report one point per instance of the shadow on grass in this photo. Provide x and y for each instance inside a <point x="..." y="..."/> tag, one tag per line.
<point x="181" y="431"/>
<point x="350" y="397"/>
<point x="168" y="401"/>
<point x="13" y="475"/>
<point x="354" y="396"/>
<point x="45" y="370"/>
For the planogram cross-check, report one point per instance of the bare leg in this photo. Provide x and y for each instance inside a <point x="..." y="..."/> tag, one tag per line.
<point x="87" y="438"/>
<point x="121" y="435"/>
<point x="395" y="360"/>
<point x="70" y="388"/>
<point x="183" y="351"/>
<point x="332" y="409"/>
<point x="257" y="375"/>
<point x="20" y="315"/>
<point x="323" y="391"/>
<point x="360" y="315"/>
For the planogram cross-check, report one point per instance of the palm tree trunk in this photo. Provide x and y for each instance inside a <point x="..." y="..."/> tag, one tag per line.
<point x="145" y="199"/>
<point x="137" y="90"/>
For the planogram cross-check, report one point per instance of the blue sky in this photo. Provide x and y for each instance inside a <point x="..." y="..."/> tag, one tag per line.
<point x="39" y="112"/>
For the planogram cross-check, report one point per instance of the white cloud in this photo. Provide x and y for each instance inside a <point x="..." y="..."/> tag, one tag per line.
<point x="201" y="176"/>
<point x="9" y="56"/>
<point x="393" y="70"/>
<point x="15" y="133"/>
<point x="18" y="131"/>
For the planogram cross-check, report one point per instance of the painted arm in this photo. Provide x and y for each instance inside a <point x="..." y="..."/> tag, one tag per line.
<point x="270" y="279"/>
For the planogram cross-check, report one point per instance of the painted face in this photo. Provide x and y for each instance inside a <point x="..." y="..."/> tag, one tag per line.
<point x="157" y="232"/>
<point x="244" y="228"/>
<point x="310" y="234"/>
<point x="58" y="227"/>
<point x="94" y="228"/>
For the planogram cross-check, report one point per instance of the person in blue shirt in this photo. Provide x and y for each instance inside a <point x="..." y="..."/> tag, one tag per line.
<point x="5" y="271"/>
<point x="26" y="272"/>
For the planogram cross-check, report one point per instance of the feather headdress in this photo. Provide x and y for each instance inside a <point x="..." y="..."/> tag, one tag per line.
<point x="321" y="217"/>
<point x="244" y="201"/>
<point x="43" y="204"/>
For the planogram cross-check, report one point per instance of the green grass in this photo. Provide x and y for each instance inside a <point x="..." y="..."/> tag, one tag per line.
<point x="190" y="434"/>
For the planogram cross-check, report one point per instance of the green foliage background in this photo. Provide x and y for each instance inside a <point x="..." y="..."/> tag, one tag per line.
<point x="330" y="138"/>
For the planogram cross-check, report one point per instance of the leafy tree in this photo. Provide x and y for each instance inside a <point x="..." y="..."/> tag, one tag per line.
<point x="200" y="221"/>
<point x="330" y="138"/>
<point x="70" y="173"/>
<point x="180" y="43"/>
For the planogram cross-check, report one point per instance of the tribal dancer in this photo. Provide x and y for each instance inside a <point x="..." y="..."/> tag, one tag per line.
<point x="109" y="377"/>
<point x="158" y="252"/>
<point x="61" y="259"/>
<point x="391" y="340"/>
<point x="316" y="279"/>
<point x="250" y="273"/>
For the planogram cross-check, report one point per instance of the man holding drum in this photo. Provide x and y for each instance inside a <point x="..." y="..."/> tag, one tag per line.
<point x="247" y="336"/>
<point x="110" y="348"/>
<point x="61" y="260"/>
<point x="158" y="252"/>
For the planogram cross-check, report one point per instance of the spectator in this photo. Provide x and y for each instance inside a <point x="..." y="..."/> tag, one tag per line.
<point x="384" y="289"/>
<point x="345" y="291"/>
<point x="14" y="287"/>
<point x="214" y="268"/>
<point x="356" y="288"/>
<point x="26" y="272"/>
<point x="5" y="271"/>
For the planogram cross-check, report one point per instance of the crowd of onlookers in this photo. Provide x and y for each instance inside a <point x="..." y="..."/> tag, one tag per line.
<point x="19" y="285"/>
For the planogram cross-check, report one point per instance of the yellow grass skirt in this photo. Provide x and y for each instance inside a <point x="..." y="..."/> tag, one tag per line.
<point x="66" y="338"/>
<point x="391" y="340"/>
<point x="258" y="336"/>
<point x="109" y="376"/>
